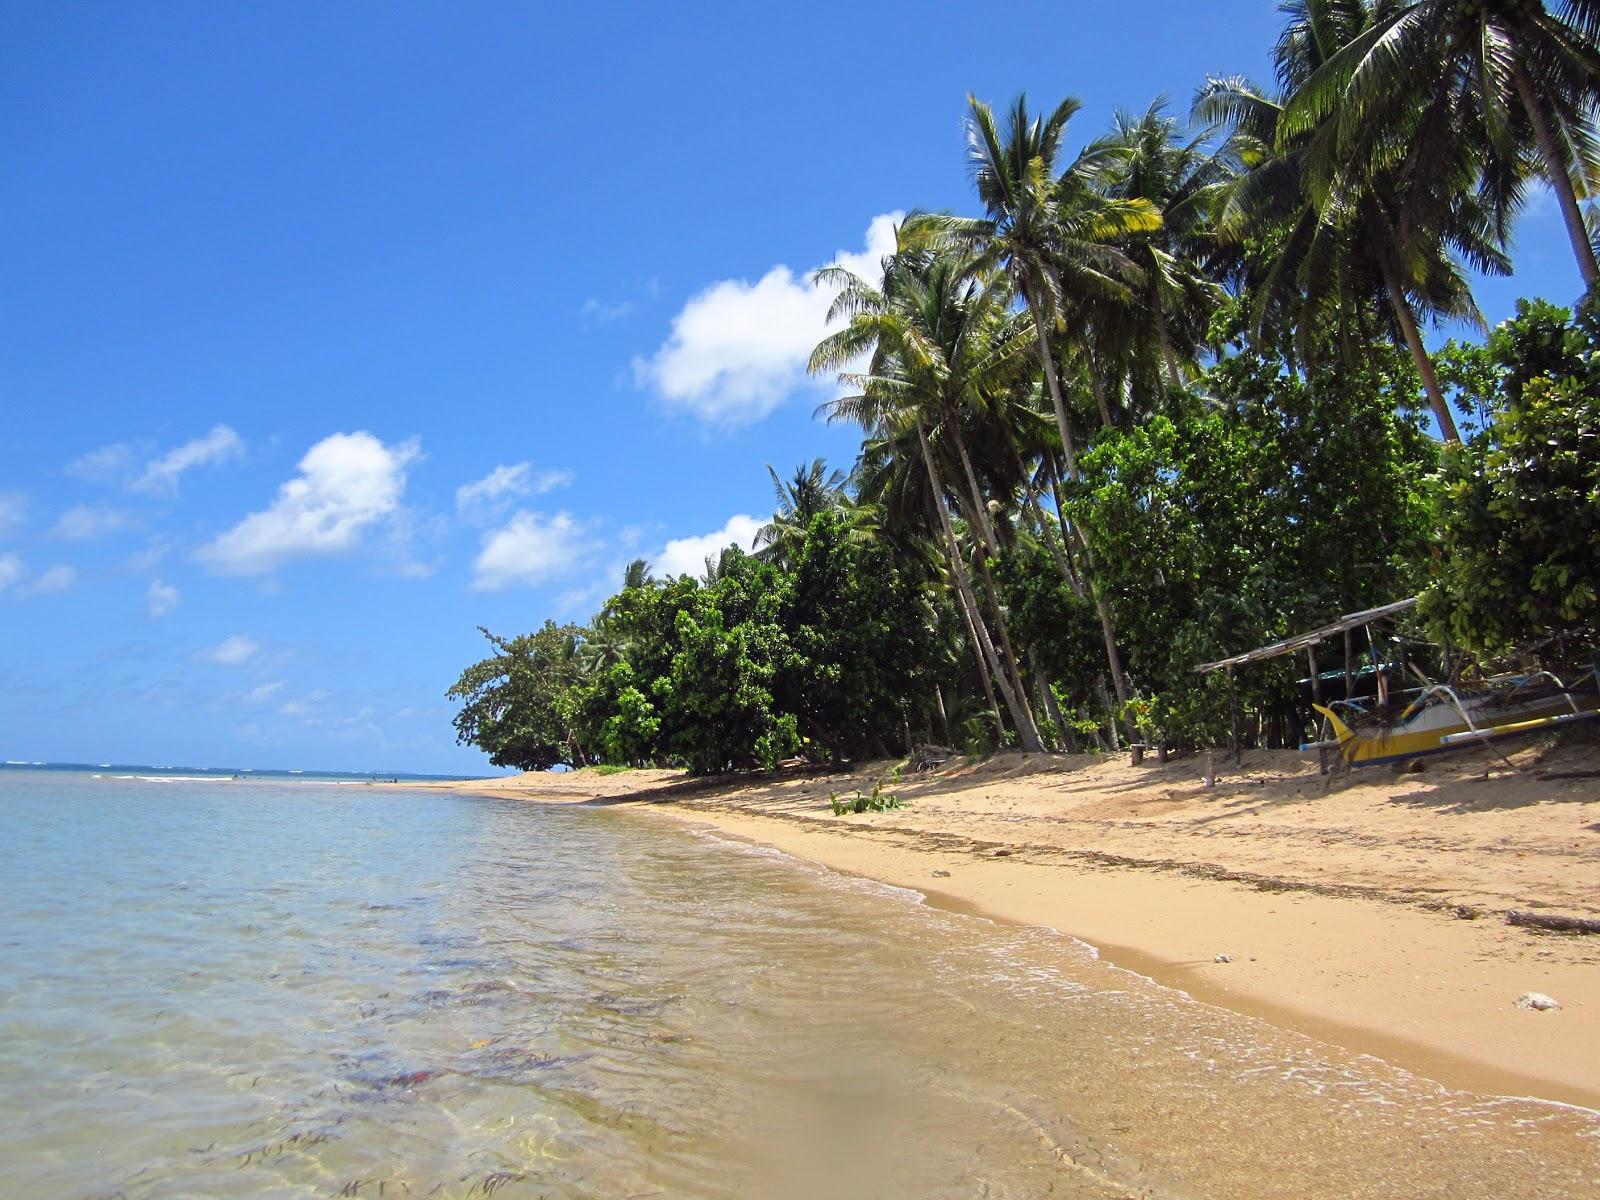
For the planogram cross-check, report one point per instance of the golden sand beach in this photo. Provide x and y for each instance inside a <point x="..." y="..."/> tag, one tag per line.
<point x="1366" y="910"/>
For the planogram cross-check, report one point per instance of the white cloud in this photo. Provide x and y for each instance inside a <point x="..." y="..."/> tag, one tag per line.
<point x="11" y="571"/>
<point x="86" y="522"/>
<point x="528" y="550"/>
<point x="347" y="482"/>
<point x="148" y="558"/>
<point x="161" y="599"/>
<point x="53" y="579"/>
<point x="738" y="350"/>
<point x="232" y="651"/>
<point x="13" y="512"/>
<point x="489" y="496"/>
<point x="107" y="464"/>
<point x="303" y="706"/>
<point x="261" y="693"/>
<point x="687" y="556"/>
<point x="596" y="311"/>
<point x="161" y="475"/>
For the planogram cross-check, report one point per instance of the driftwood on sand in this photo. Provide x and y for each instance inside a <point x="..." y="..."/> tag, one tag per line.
<point x="1554" y="922"/>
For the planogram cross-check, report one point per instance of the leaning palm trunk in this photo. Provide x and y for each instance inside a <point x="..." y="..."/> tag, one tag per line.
<point x="1555" y="170"/>
<point x="1165" y="340"/>
<point x="985" y="676"/>
<point x="1041" y="527"/>
<point x="1113" y="659"/>
<point x="1419" y="354"/>
<point x="1013" y="671"/>
<point x="1108" y="629"/>
<point x="1053" y="382"/>
<point x="980" y="510"/>
<point x="1020" y="715"/>
<point x="1111" y="723"/>
<point x="1051" y="708"/>
<point x="980" y="518"/>
<point x="1098" y="386"/>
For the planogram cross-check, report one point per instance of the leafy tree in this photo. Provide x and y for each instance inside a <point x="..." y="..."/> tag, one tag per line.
<point x="1520" y="504"/>
<point x="519" y="705"/>
<point x="860" y="640"/>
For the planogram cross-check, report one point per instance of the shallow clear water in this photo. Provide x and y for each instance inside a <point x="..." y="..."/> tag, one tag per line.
<point x="253" y="989"/>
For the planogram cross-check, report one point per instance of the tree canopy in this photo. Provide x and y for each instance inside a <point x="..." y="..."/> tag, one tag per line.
<point x="1144" y="406"/>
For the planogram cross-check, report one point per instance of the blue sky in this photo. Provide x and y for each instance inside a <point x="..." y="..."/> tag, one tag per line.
<point x="331" y="332"/>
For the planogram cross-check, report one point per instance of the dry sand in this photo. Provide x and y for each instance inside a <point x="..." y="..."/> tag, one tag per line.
<point x="1367" y="910"/>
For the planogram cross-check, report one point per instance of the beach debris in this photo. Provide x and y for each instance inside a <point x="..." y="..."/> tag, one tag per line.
<point x="1537" y="1002"/>
<point x="1465" y="912"/>
<point x="1554" y="922"/>
<point x="1223" y="958"/>
<point x="1003" y="853"/>
<point x="941" y="874"/>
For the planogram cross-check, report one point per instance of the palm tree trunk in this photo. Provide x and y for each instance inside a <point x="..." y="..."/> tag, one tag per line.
<point x="1054" y="384"/>
<point x="980" y="509"/>
<point x="1419" y="354"/>
<point x="1070" y="533"/>
<point x="1020" y="715"/>
<point x="992" y="594"/>
<point x="1051" y="708"/>
<point x="1099" y="387"/>
<point x="1113" y="659"/>
<point x="1013" y="670"/>
<point x="1111" y="717"/>
<point x="1119" y="680"/>
<point x="984" y="676"/>
<point x="1166" y="345"/>
<point x="1036" y="511"/>
<point x="1066" y="526"/>
<point x="980" y="517"/>
<point x="1555" y="170"/>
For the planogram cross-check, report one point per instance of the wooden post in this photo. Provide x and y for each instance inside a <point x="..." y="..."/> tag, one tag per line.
<point x="1138" y="753"/>
<point x="1316" y="677"/>
<point x="1377" y="667"/>
<point x="1233" y="721"/>
<point x="1209" y="771"/>
<point x="1349" y="666"/>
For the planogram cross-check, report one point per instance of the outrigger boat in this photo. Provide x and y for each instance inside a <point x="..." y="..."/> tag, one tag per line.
<point x="1443" y="718"/>
<point x="1434" y="719"/>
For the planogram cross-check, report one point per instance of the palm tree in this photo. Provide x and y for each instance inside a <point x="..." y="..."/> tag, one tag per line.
<point x="1051" y="231"/>
<point x="1344" y="240"/>
<point x="637" y="574"/>
<point x="1053" y="234"/>
<point x="1529" y="78"/>
<point x="925" y="331"/>
<point x="813" y="489"/>
<point x="1148" y="158"/>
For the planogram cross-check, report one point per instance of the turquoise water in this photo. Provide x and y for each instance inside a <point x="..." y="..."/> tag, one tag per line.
<point x="229" y="989"/>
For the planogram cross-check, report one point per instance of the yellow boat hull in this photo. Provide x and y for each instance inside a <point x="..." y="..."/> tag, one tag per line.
<point x="1439" y="728"/>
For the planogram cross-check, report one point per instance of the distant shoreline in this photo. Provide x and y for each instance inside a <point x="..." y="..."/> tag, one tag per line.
<point x="1369" y="916"/>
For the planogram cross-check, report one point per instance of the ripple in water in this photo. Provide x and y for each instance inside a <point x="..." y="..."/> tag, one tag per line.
<point x="228" y="990"/>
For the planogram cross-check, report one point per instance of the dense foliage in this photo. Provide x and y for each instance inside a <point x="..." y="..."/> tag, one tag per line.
<point x="1519" y="505"/>
<point x="1159" y="402"/>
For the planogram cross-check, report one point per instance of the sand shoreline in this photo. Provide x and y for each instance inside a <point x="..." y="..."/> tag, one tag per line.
<point x="1368" y="913"/>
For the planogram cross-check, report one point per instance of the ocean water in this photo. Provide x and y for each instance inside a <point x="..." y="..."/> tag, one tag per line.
<point x="291" y="989"/>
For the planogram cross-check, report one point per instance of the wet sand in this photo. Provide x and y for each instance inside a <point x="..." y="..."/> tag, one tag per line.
<point x="1365" y="910"/>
